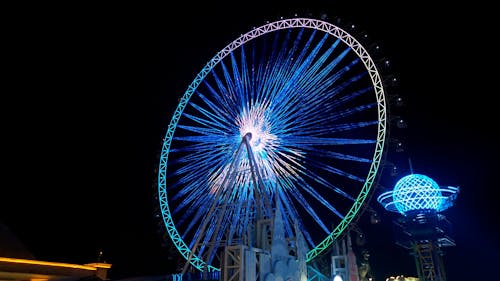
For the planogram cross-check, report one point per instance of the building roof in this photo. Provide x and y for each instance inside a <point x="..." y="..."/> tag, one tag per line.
<point x="27" y="269"/>
<point x="18" y="264"/>
<point x="11" y="246"/>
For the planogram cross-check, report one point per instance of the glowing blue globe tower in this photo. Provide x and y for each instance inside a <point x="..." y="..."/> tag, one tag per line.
<point x="422" y="228"/>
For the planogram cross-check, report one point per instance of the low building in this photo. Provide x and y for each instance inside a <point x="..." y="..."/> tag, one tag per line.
<point x="17" y="264"/>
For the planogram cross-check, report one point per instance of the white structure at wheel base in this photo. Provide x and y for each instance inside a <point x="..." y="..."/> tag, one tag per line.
<point x="276" y="257"/>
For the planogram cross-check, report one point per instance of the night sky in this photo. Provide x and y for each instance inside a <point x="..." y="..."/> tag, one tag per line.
<point x="90" y="92"/>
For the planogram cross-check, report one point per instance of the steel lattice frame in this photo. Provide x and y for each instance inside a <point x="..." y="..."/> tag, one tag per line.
<point x="376" y="81"/>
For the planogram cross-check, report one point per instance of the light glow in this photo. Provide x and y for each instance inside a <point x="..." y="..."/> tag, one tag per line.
<point x="47" y="263"/>
<point x="255" y="121"/>
<point x="416" y="192"/>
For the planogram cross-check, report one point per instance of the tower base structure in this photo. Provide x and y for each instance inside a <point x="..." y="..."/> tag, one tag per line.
<point x="424" y="233"/>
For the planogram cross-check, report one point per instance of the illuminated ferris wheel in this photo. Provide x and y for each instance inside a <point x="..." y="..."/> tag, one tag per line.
<point x="292" y="110"/>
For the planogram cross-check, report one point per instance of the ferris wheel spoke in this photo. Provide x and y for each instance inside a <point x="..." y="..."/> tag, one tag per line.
<point x="287" y="164"/>
<point x="203" y="236"/>
<point x="206" y="132"/>
<point x="293" y="216"/>
<point x="278" y="73"/>
<point x="319" y="71"/>
<point x="211" y="138"/>
<point x="206" y="162"/>
<point x="286" y="102"/>
<point x="302" y="140"/>
<point x="193" y="220"/>
<point x="183" y="200"/>
<point x="283" y="76"/>
<point x="216" y="107"/>
<point x="297" y="181"/>
<point x="191" y="147"/>
<point x="196" y="198"/>
<point x="318" y="197"/>
<point x="324" y="96"/>
<point x="308" y="208"/>
<point x="205" y="155"/>
<point x="314" y="84"/>
<point x="214" y="231"/>
<point x="244" y="87"/>
<point x="210" y="146"/>
<point x="228" y="81"/>
<point x="234" y="84"/>
<point x="196" y="184"/>
<point x="289" y="220"/>
<point x="324" y="82"/>
<point x="279" y="170"/>
<point x="314" y="119"/>
<point x="214" y="241"/>
<point x="290" y="186"/>
<point x="225" y="217"/>
<point x="246" y="79"/>
<point x="313" y="124"/>
<point x="294" y="62"/>
<point x="269" y="88"/>
<point x="234" y="88"/>
<point x="226" y="98"/>
<point x="318" y="131"/>
<point x="213" y="225"/>
<point x="213" y="119"/>
<point x="331" y="169"/>
<point x="192" y="181"/>
<point x="238" y="86"/>
<point x="321" y="180"/>
<point x="234" y="226"/>
<point x="193" y="188"/>
<point x="196" y="221"/>
<point x="221" y="97"/>
<point x="342" y="114"/>
<point x="336" y="155"/>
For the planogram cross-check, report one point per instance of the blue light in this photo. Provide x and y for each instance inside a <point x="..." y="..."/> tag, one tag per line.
<point x="417" y="192"/>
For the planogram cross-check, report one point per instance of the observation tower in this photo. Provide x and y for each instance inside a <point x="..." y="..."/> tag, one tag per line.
<point x="422" y="228"/>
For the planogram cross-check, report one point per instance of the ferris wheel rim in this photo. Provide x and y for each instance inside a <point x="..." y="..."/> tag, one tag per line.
<point x="376" y="81"/>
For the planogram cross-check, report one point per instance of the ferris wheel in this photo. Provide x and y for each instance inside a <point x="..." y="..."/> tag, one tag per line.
<point x="292" y="110"/>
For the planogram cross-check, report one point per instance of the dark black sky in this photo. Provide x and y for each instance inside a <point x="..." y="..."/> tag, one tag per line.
<point x="90" y="90"/>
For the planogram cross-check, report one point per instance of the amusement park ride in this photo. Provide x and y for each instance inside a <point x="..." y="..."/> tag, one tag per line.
<point x="273" y="152"/>
<point x="422" y="228"/>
